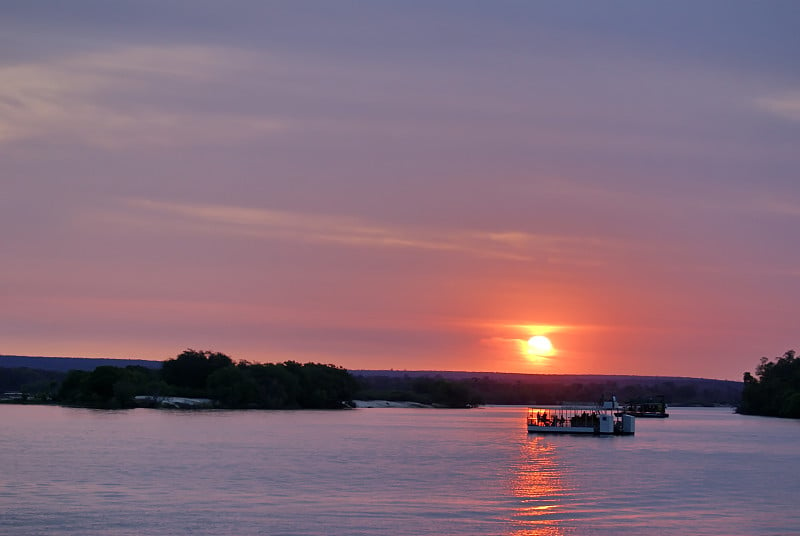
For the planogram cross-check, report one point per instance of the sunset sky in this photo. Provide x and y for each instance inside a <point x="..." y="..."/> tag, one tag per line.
<point x="417" y="185"/>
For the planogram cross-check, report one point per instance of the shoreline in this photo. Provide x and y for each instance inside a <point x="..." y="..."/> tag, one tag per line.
<point x="358" y="404"/>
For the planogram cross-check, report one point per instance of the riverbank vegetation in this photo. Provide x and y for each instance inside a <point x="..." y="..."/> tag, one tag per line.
<point x="212" y="375"/>
<point x="428" y="390"/>
<point x="29" y="384"/>
<point x="106" y="383"/>
<point x="774" y="390"/>
<point x="549" y="389"/>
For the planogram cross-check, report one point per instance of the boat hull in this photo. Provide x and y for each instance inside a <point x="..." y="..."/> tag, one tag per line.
<point x="533" y="429"/>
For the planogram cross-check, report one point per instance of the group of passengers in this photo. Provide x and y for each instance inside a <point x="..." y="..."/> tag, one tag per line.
<point x="545" y="419"/>
<point x="585" y="419"/>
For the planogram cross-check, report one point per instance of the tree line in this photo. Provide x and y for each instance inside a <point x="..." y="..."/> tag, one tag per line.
<point x="547" y="390"/>
<point x="229" y="384"/>
<point x="429" y="390"/>
<point x="32" y="384"/>
<point x="775" y="389"/>
<point x="213" y="375"/>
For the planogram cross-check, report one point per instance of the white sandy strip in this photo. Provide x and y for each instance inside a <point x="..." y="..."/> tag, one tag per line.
<point x="387" y="404"/>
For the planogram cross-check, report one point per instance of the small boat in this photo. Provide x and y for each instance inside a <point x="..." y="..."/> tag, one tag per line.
<point x="590" y="419"/>
<point x="652" y="407"/>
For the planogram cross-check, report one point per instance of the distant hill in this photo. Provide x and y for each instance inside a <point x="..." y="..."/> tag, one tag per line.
<point x="516" y="388"/>
<point x="65" y="364"/>
<point x="520" y="376"/>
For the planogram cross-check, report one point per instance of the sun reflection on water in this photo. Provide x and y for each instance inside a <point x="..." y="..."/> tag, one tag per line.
<point x="540" y="486"/>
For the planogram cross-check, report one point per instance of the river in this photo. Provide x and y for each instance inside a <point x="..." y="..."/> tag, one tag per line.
<point x="67" y="471"/>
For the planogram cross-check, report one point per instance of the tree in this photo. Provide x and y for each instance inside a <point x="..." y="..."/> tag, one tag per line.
<point x="775" y="390"/>
<point x="106" y="386"/>
<point x="232" y="387"/>
<point x="191" y="369"/>
<point x="73" y="388"/>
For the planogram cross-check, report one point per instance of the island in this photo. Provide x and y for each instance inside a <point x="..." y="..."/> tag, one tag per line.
<point x="200" y="379"/>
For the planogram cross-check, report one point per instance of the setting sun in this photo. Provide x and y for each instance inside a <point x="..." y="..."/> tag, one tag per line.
<point x="540" y="345"/>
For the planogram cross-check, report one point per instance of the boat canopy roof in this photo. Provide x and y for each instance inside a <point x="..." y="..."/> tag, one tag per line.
<point x="572" y="405"/>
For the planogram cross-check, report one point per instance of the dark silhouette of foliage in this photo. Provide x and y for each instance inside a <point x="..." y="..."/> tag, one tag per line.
<point x="282" y="385"/>
<point x="322" y="386"/>
<point x="774" y="390"/>
<point x="189" y="371"/>
<point x="431" y="390"/>
<point x="277" y="386"/>
<point x="545" y="389"/>
<point x="37" y="385"/>
<point x="108" y="387"/>
<point x="213" y="375"/>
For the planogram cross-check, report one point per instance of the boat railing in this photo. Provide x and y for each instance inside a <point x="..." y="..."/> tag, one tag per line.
<point x="574" y="415"/>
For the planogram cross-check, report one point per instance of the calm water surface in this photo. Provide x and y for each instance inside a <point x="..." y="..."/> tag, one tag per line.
<point x="390" y="472"/>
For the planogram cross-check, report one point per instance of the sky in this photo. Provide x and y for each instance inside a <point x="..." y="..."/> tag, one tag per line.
<point x="417" y="185"/>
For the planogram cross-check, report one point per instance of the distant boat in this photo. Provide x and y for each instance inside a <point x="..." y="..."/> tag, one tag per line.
<point x="652" y="407"/>
<point x="590" y="419"/>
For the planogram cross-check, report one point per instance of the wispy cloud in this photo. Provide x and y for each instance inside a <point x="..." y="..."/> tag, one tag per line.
<point x="343" y="230"/>
<point x="786" y="105"/>
<point x="108" y="99"/>
<point x="785" y="207"/>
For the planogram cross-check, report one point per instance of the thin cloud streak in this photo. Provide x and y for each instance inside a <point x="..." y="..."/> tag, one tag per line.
<point x="107" y="99"/>
<point x="786" y="106"/>
<point x="349" y="231"/>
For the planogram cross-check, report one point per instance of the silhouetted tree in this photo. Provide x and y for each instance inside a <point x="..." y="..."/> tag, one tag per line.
<point x="34" y="383"/>
<point x="775" y="390"/>
<point x="191" y="369"/>
<point x="107" y="386"/>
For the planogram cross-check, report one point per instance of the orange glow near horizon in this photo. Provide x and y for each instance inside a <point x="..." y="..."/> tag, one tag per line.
<point x="520" y="347"/>
<point x="444" y="343"/>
